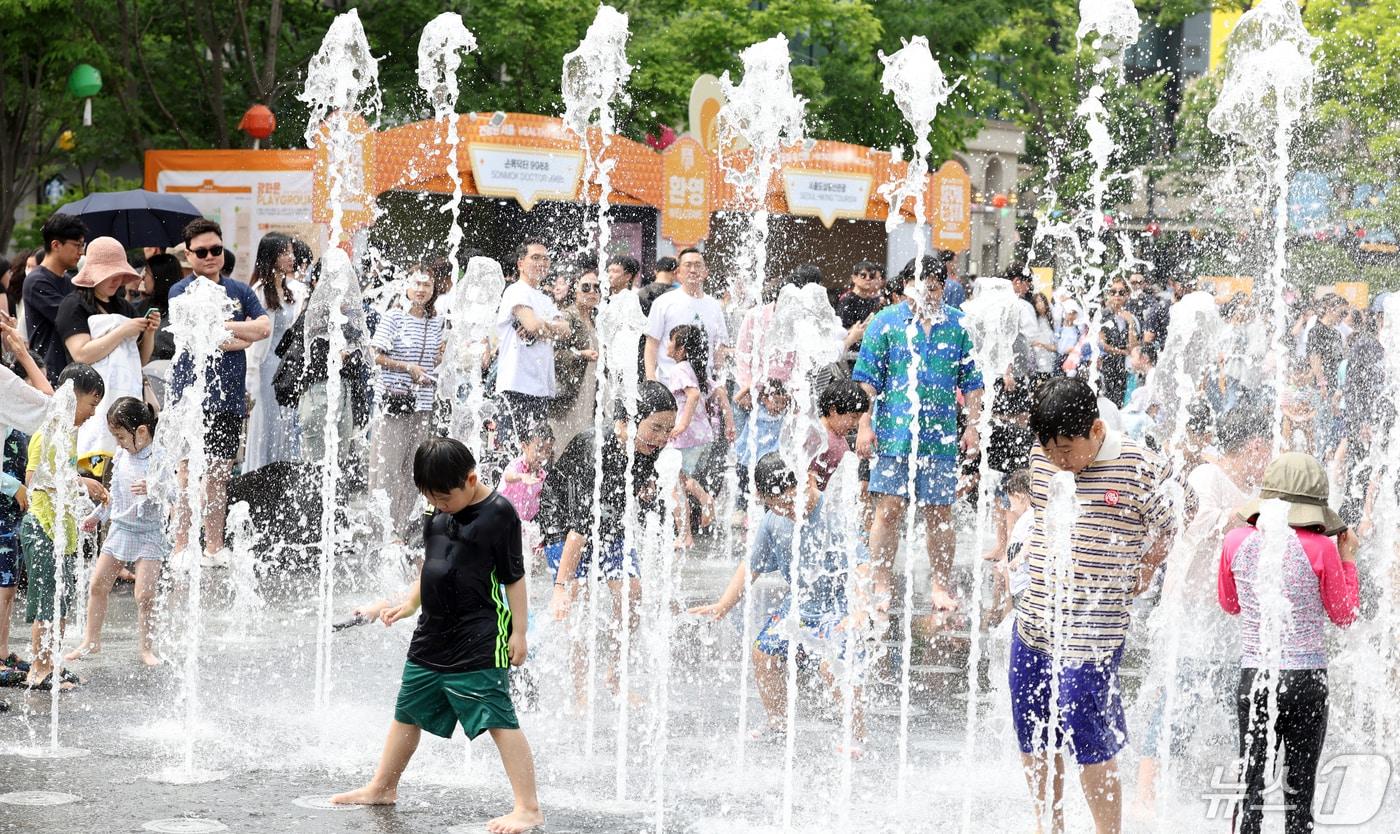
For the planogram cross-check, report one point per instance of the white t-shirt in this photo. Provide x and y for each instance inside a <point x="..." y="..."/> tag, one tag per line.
<point x="525" y="367"/>
<point x="677" y="307"/>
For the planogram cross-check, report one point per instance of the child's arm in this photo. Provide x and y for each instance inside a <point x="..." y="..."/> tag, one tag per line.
<point x="391" y="613"/>
<point x="692" y="400"/>
<point x="519" y="621"/>
<point x="727" y="600"/>
<point x="1225" y="589"/>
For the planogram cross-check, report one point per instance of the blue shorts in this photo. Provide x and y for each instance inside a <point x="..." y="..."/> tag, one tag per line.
<point x="823" y="629"/>
<point x="9" y="559"/>
<point x="1091" y="720"/>
<point x="936" y="484"/>
<point x="611" y="565"/>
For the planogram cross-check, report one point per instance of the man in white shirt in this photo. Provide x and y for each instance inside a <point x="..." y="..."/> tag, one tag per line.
<point x="526" y="321"/>
<point x="689" y="306"/>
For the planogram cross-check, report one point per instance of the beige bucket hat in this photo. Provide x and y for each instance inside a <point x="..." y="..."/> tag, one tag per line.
<point x="1301" y="481"/>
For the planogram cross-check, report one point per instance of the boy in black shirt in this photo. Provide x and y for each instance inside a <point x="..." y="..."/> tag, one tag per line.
<point x="468" y="634"/>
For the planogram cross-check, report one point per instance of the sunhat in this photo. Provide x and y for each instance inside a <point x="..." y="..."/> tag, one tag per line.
<point x="1300" y="480"/>
<point x="105" y="258"/>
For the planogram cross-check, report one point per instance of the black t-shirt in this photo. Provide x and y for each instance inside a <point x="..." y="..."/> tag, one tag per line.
<point x="1326" y="343"/>
<point x="854" y="309"/>
<point x="43" y="293"/>
<point x="566" y="500"/>
<point x="647" y="295"/>
<point x="74" y="312"/>
<point x="465" y="623"/>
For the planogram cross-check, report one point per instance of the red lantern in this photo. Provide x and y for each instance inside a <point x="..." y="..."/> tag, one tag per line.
<point x="998" y="201"/>
<point x="258" y="122"/>
<point x="1154" y="229"/>
<point x="662" y="139"/>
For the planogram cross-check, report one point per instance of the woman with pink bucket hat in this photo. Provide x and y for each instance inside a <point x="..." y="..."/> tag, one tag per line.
<point x="1287" y="577"/>
<point x="99" y="328"/>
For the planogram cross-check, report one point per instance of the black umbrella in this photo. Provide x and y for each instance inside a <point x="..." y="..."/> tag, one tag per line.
<point x="136" y="218"/>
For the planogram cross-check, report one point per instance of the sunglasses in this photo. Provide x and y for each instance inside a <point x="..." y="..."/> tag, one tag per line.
<point x="205" y="252"/>
<point x="1117" y="292"/>
<point x="588" y="287"/>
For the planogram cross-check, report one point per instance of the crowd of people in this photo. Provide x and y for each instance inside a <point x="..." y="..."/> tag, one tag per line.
<point x="569" y="465"/>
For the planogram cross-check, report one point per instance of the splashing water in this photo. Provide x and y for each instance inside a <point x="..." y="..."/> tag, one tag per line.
<point x="445" y="41"/>
<point x="992" y="318"/>
<point x="60" y="481"/>
<point x="919" y="88"/>
<point x="342" y="85"/>
<point x="471" y="315"/>
<point x="1268" y="84"/>
<point x="1114" y="25"/>
<point x="765" y="113"/>
<point x="334" y="313"/>
<point x="197" y="319"/>
<point x="342" y="81"/>
<point x="594" y="77"/>
<point x="804" y="319"/>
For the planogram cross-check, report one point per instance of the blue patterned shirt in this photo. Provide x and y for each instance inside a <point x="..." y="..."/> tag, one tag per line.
<point x="945" y="367"/>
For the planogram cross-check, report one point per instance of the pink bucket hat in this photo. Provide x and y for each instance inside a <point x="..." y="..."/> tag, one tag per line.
<point x="105" y="258"/>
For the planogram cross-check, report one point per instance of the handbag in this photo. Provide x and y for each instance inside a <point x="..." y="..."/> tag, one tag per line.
<point x="403" y="403"/>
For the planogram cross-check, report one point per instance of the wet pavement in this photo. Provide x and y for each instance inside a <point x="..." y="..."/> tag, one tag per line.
<point x="258" y="721"/>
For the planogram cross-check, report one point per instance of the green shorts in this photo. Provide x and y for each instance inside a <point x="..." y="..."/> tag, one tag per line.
<point x="39" y="566"/>
<point x="437" y="701"/>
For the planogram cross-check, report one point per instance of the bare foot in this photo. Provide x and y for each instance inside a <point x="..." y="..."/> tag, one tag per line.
<point x="149" y="658"/>
<point x="83" y="651"/>
<point x="515" y="822"/>
<point x="368" y="795"/>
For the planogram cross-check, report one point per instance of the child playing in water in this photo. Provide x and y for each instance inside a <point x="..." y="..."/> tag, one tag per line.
<point x="688" y="379"/>
<point x="37" y="529"/>
<point x="523" y="478"/>
<point x="1319" y="583"/>
<point x="755" y="441"/>
<point x="825" y="620"/>
<point x="468" y="635"/>
<point x="137" y="532"/>
<point x="1302" y="402"/>
<point x="1071" y="621"/>
<point x="1014" y="527"/>
<point x="841" y="405"/>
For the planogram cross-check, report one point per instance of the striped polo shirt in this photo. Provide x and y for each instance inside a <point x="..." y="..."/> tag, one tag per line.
<point x="406" y="338"/>
<point x="1122" y="508"/>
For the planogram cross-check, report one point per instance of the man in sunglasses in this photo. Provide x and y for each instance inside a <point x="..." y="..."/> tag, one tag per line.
<point x="225" y="394"/>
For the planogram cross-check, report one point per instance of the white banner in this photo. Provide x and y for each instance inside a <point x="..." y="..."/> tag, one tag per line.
<point x="248" y="205"/>
<point x="526" y="174"/>
<point x="826" y="194"/>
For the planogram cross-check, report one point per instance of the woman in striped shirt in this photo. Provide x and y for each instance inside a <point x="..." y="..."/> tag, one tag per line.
<point x="408" y="347"/>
